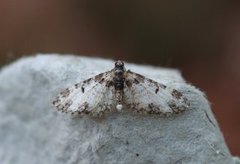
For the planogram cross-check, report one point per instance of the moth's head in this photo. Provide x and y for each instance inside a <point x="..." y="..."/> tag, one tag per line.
<point x="119" y="63"/>
<point x="119" y="67"/>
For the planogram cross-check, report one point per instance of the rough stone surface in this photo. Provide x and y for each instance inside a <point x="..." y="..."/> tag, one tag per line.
<point x="33" y="132"/>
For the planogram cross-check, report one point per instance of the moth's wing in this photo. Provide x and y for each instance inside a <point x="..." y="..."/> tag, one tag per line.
<point x="92" y="96"/>
<point x="148" y="96"/>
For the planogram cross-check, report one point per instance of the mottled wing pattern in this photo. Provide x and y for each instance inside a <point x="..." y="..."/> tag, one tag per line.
<point x="148" y="96"/>
<point x="92" y="96"/>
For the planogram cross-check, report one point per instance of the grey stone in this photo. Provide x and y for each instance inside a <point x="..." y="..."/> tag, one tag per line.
<point x="33" y="132"/>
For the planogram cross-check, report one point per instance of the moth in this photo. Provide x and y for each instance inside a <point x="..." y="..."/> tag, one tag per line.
<point x="120" y="89"/>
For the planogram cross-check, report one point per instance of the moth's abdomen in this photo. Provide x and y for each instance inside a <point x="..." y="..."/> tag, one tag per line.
<point x="119" y="96"/>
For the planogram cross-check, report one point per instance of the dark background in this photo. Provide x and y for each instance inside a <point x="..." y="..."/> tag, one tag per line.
<point x="199" y="37"/>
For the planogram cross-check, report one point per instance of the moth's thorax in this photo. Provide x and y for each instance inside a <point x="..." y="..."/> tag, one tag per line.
<point x="118" y="79"/>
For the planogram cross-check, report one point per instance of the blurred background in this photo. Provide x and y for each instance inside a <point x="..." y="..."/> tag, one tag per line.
<point x="199" y="37"/>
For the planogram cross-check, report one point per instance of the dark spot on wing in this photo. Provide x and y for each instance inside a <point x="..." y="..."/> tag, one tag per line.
<point x="173" y="106"/>
<point x="109" y="83"/>
<point x="153" y="108"/>
<point x="86" y="111"/>
<point x="65" y="93"/>
<point x="176" y="94"/>
<point x="98" y="77"/>
<point x="57" y="100"/>
<point x="64" y="107"/>
<point x="151" y="81"/>
<point x="156" y="91"/>
<point x="77" y="85"/>
<point x="128" y="83"/>
<point x="137" y="77"/>
<point x="176" y="108"/>
<point x="162" y="86"/>
<point x="67" y="104"/>
<point x="60" y="107"/>
<point x="140" y="78"/>
<point x="136" y="81"/>
<point x="154" y="83"/>
<point x="82" y="88"/>
<point x="102" y="80"/>
<point x="133" y="106"/>
<point x="87" y="81"/>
